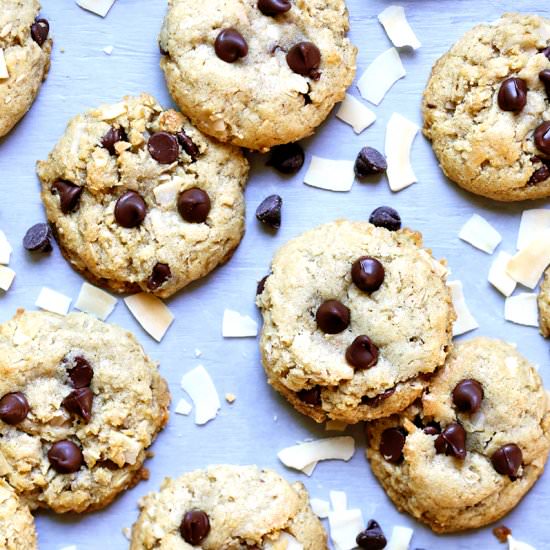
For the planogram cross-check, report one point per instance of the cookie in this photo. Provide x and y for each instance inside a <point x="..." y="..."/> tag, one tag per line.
<point x="231" y="507"/>
<point x="257" y="74"/>
<point x="486" y="109"/>
<point x="17" y="530"/>
<point x="356" y="318"/>
<point x="80" y="403"/>
<point x="466" y="453"/>
<point x="139" y="200"/>
<point x="25" y="48"/>
<point x="544" y="305"/>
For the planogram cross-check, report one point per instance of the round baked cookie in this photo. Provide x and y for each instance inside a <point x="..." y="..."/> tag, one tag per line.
<point x="140" y="200"/>
<point x="544" y="305"/>
<point x="17" y="530"/>
<point x="356" y="318"/>
<point x="26" y="49"/>
<point x="80" y="403"/>
<point x="486" y="109"/>
<point x="229" y="507"/>
<point x="250" y="73"/>
<point x="466" y="453"/>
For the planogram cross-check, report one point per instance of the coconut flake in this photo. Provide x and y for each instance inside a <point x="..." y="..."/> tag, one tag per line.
<point x="332" y="175"/>
<point x="522" y="309"/>
<point x="528" y="265"/>
<point x="110" y="112"/>
<point x="344" y="528"/>
<point x="198" y="384"/>
<point x="151" y="313"/>
<point x="3" y="67"/>
<point x="309" y="469"/>
<point x="7" y="276"/>
<point x="235" y="325"/>
<point x="514" y="544"/>
<point x="286" y="541"/>
<point x="400" y="134"/>
<point x="108" y="50"/>
<point x="400" y="538"/>
<point x="354" y="113"/>
<point x="99" y="7"/>
<point x="397" y="27"/>
<point x="166" y="193"/>
<point x="5" y="249"/>
<point x="465" y="321"/>
<point x="338" y="500"/>
<point x="380" y="76"/>
<point x="321" y="508"/>
<point x="95" y="301"/>
<point x="183" y="407"/>
<point x="498" y="276"/>
<point x="478" y="232"/>
<point x="53" y="301"/>
<point x="533" y="223"/>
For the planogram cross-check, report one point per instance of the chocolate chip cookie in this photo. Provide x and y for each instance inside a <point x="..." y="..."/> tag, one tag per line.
<point x="17" y="530"/>
<point x="257" y="74"/>
<point x="25" y="48"/>
<point x="544" y="305"/>
<point x="228" y="507"/>
<point x="466" y="453"/>
<point x="486" y="109"/>
<point x="140" y="200"/>
<point x="80" y="403"/>
<point x="356" y="318"/>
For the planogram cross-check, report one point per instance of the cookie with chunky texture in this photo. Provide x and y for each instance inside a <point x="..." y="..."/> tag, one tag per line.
<point x="228" y="507"/>
<point x="80" y="403"/>
<point x="356" y="317"/>
<point x="544" y="305"/>
<point x="486" y="109"/>
<point x="140" y="200"/>
<point x="466" y="453"/>
<point x="25" y="48"/>
<point x="257" y="74"/>
<point x="17" y="530"/>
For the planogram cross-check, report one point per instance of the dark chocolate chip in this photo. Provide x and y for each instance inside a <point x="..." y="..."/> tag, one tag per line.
<point x="161" y="273"/>
<point x="507" y="460"/>
<point x="130" y="210"/>
<point x="432" y="429"/>
<point x="540" y="174"/>
<point x="304" y="58"/>
<point x="467" y="395"/>
<point x="79" y="402"/>
<point x="230" y="45"/>
<point x="542" y="137"/>
<point x="387" y="217"/>
<point x="188" y="145"/>
<point x="311" y="396"/>
<point x="391" y="444"/>
<point x="14" y="408"/>
<point x="113" y="135"/>
<point x="372" y="538"/>
<point x="65" y="457"/>
<point x="367" y="274"/>
<point x="362" y="353"/>
<point x="274" y="7"/>
<point x="38" y="238"/>
<point x="162" y="50"/>
<point x="452" y="441"/>
<point x="261" y="285"/>
<point x="164" y="147"/>
<point x="69" y="195"/>
<point x="332" y="317"/>
<point x="544" y="77"/>
<point x="81" y="374"/>
<point x="546" y="52"/>
<point x="40" y="30"/>
<point x="512" y="95"/>
<point x="194" y="205"/>
<point x="287" y="158"/>
<point x="377" y="399"/>
<point x="501" y="532"/>
<point x="195" y="527"/>
<point x="369" y="161"/>
<point x="269" y="211"/>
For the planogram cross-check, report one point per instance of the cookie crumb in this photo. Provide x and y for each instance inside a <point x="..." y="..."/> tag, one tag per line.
<point x="230" y="398"/>
<point x="501" y="533"/>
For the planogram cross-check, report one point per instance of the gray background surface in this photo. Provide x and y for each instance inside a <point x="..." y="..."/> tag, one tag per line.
<point x="82" y="77"/>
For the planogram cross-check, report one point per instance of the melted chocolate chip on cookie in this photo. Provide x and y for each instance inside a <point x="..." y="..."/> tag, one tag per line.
<point x="14" y="408"/>
<point x="130" y="210"/>
<point x="195" y="527"/>
<point x="362" y="353"/>
<point x="69" y="195"/>
<point x="230" y="45"/>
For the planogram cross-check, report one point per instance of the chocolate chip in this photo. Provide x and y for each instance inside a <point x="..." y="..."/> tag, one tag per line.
<point x="40" y="30"/>
<point x="230" y="45"/>
<point x="362" y="353"/>
<point x="377" y="399"/>
<point x="311" y="396"/>
<point x="113" y="135"/>
<point x="501" y="533"/>
<point x="163" y="147"/>
<point x="507" y="460"/>
<point x="512" y="95"/>
<point x="540" y="174"/>
<point x="546" y="52"/>
<point x="367" y="274"/>
<point x="69" y="195"/>
<point x="261" y="285"/>
<point x="38" y="238"/>
<point x="162" y="50"/>
<point x="81" y="374"/>
<point x="372" y="538"/>
<point x="269" y="211"/>
<point x="79" y="402"/>
<point x="161" y="273"/>
<point x="332" y="317"/>
<point x="130" y="210"/>
<point x="14" y="408"/>
<point x="542" y="137"/>
<point x="274" y="7"/>
<point x="304" y="58"/>
<point x="187" y="145"/>
<point x="544" y="77"/>
<point x="287" y="158"/>
<point x="391" y="444"/>
<point x="387" y="217"/>
<point x="194" y="205"/>
<point x="65" y="457"/>
<point x="467" y="396"/>
<point x="452" y="441"/>
<point x="432" y="429"/>
<point x="369" y="161"/>
<point x="195" y="527"/>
